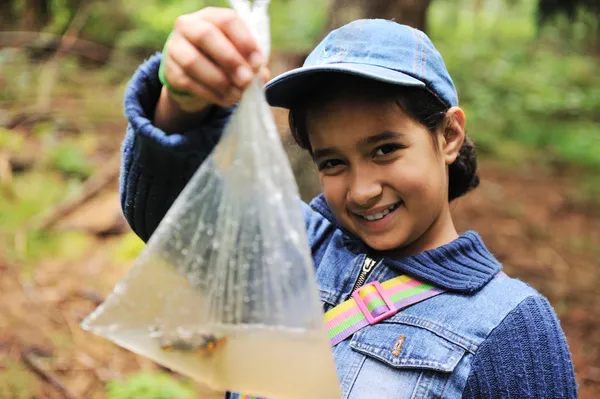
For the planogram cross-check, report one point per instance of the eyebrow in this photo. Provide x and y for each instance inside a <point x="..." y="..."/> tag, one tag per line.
<point x="374" y="139"/>
<point x="322" y="152"/>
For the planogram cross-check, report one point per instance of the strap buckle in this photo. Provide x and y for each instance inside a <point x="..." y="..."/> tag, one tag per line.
<point x="392" y="309"/>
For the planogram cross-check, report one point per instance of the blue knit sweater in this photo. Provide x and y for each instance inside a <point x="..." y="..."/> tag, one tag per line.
<point x="157" y="166"/>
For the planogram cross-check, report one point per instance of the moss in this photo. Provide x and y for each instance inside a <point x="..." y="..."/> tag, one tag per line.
<point x="17" y="383"/>
<point x="149" y="385"/>
<point x="128" y="248"/>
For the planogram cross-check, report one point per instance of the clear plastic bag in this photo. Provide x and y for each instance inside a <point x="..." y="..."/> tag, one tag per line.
<point x="225" y="291"/>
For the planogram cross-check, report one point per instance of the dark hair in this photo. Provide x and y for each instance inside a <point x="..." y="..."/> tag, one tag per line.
<point x="418" y="103"/>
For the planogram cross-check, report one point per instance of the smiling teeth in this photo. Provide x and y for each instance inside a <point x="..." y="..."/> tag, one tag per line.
<point x="380" y="215"/>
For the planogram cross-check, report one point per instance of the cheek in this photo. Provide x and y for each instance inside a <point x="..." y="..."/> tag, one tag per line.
<point x="334" y="191"/>
<point x="418" y="180"/>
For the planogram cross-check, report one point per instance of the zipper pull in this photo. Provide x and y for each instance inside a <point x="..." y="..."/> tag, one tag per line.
<point x="368" y="265"/>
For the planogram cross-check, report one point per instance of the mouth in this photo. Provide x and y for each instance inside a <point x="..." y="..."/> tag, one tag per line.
<point x="381" y="214"/>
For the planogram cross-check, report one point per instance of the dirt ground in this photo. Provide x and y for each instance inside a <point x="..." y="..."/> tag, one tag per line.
<point x="529" y="217"/>
<point x="530" y="222"/>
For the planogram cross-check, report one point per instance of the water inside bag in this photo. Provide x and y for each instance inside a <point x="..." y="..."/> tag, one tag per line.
<point x="266" y="361"/>
<point x="274" y="362"/>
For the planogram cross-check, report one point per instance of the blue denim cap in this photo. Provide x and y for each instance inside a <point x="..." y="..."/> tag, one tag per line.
<point x="376" y="49"/>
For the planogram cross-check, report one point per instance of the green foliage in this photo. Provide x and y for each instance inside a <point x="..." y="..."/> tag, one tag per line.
<point x="294" y="23"/>
<point x="153" y="21"/>
<point x="105" y="21"/>
<point x="9" y="141"/>
<point x="149" y="386"/>
<point x="69" y="155"/>
<point x="19" y="80"/>
<point x="530" y="93"/>
<point x="69" y="158"/>
<point x="62" y="13"/>
<point x="30" y="246"/>
<point x="129" y="248"/>
<point x="33" y="193"/>
<point x="64" y="245"/>
<point x="142" y="27"/>
<point x="16" y="382"/>
<point x="525" y="95"/>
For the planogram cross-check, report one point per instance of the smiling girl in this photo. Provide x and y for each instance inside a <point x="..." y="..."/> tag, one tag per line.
<point x="383" y="167"/>
<point x="377" y="110"/>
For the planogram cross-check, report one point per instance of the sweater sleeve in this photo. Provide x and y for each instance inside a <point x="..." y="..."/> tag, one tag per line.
<point x="155" y="165"/>
<point x="526" y="356"/>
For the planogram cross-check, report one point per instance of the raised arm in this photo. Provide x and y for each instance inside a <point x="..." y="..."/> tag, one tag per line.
<point x="210" y="58"/>
<point x="156" y="166"/>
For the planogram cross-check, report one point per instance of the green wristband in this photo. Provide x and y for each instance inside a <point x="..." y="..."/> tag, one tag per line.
<point x="163" y="78"/>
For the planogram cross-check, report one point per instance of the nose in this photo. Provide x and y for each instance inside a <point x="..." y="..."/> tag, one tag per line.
<point x="365" y="189"/>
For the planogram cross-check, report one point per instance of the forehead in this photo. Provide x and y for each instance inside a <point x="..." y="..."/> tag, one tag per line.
<point x="345" y="121"/>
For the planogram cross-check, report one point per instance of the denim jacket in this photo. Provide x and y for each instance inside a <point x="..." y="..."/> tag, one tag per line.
<point x="441" y="334"/>
<point x="485" y="336"/>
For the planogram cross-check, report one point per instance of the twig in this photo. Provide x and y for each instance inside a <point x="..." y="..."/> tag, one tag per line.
<point x="106" y="175"/>
<point x="88" y="49"/>
<point x="24" y="118"/>
<point x="28" y="358"/>
<point x="50" y="71"/>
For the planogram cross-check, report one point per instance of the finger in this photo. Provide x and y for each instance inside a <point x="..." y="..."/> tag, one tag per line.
<point x="265" y="74"/>
<point x="200" y="93"/>
<point x="213" y="43"/>
<point x="234" y="98"/>
<point x="180" y="80"/>
<point x="238" y="33"/>
<point x="198" y="67"/>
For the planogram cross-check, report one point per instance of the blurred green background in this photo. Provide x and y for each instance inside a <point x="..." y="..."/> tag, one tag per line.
<point x="527" y="72"/>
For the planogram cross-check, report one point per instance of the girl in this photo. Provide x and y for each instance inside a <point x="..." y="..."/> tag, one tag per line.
<point x="376" y="109"/>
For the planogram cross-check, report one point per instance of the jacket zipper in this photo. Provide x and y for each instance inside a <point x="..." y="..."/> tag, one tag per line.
<point x="366" y="269"/>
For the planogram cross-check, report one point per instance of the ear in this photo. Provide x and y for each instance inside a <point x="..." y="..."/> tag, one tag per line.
<point x="453" y="134"/>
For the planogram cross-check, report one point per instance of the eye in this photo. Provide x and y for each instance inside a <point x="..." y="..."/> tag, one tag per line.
<point x="386" y="149"/>
<point x="330" y="164"/>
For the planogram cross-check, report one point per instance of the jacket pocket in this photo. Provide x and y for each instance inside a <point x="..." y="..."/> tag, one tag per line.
<point x="403" y="346"/>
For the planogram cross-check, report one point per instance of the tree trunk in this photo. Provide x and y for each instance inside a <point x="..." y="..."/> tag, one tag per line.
<point x="6" y="15"/>
<point x="35" y="15"/>
<point x="408" y="12"/>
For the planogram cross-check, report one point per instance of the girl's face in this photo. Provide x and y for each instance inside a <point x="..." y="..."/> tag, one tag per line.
<point x="384" y="177"/>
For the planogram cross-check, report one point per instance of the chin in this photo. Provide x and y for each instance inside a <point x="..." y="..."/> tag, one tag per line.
<point x="384" y="243"/>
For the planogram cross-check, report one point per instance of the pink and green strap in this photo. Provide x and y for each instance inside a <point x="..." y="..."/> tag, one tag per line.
<point x="373" y="303"/>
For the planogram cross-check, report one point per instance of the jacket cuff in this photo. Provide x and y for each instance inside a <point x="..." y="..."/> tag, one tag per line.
<point x="141" y="97"/>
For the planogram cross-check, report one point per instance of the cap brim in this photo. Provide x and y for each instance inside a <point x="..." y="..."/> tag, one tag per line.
<point x="283" y="90"/>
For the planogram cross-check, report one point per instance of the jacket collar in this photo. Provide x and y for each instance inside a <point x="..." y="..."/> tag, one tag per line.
<point x="463" y="265"/>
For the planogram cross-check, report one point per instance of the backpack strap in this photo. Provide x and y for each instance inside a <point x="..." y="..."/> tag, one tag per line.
<point x="373" y="303"/>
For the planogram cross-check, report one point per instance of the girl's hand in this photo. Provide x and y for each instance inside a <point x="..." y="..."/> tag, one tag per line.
<point x="212" y="56"/>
